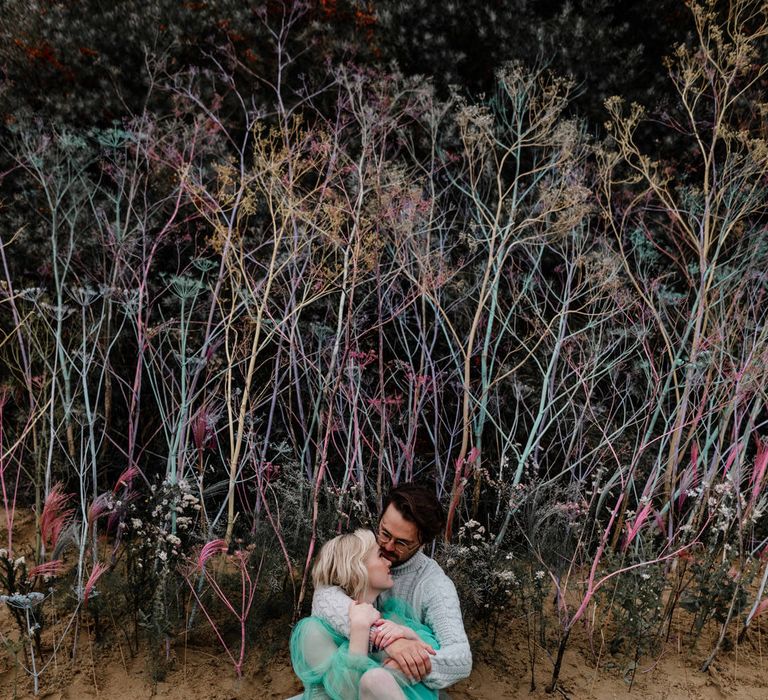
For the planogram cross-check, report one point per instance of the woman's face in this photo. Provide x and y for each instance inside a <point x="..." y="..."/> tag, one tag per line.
<point x="379" y="578"/>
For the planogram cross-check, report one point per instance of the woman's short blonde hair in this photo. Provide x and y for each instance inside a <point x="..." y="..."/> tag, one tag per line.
<point x="342" y="563"/>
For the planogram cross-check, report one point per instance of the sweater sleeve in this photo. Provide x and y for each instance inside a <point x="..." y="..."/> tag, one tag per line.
<point x="442" y="612"/>
<point x="331" y="604"/>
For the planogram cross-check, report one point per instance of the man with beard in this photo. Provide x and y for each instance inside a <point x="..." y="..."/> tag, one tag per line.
<point x="411" y="518"/>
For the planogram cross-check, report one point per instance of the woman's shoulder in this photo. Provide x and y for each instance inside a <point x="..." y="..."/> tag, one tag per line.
<point x="331" y="604"/>
<point x="333" y="594"/>
<point x="330" y="600"/>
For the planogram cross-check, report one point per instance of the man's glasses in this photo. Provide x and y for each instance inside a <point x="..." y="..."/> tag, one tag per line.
<point x="400" y="546"/>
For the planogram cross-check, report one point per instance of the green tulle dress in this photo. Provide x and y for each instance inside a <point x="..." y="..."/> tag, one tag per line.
<point x="321" y="657"/>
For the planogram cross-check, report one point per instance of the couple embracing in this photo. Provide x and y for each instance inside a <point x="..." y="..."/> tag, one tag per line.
<point x="386" y="622"/>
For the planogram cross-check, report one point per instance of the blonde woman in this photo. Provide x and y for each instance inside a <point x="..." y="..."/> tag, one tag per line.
<point x="330" y="665"/>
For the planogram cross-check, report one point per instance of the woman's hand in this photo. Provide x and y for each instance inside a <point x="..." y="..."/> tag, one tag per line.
<point x="385" y="632"/>
<point x="362" y="615"/>
<point x="361" y="618"/>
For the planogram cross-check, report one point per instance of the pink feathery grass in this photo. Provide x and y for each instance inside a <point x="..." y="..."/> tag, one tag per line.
<point x="96" y="574"/>
<point x="49" y="568"/>
<point x="99" y="506"/>
<point x="54" y="516"/>
<point x="634" y="528"/>
<point x="733" y="453"/>
<point x="690" y="477"/>
<point x="761" y="608"/>
<point x="203" y="427"/>
<point x="462" y="470"/>
<point x="757" y="480"/>
<point x="126" y="478"/>
<point x="211" y="549"/>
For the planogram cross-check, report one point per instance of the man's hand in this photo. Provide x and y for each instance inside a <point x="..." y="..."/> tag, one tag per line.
<point x="412" y="657"/>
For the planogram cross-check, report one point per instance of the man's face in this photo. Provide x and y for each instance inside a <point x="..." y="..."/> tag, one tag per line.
<point x="398" y="538"/>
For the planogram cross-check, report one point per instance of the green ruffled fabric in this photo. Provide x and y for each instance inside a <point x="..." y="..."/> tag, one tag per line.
<point x="321" y="658"/>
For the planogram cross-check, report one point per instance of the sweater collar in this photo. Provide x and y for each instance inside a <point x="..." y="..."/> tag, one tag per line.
<point x="414" y="564"/>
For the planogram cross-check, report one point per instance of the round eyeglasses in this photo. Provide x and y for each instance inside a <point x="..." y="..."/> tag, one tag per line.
<point x="401" y="546"/>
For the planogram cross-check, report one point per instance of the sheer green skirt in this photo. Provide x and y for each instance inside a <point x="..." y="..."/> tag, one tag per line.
<point x="321" y="657"/>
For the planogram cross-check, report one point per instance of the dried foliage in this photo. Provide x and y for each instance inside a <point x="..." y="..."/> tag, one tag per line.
<point x="228" y="329"/>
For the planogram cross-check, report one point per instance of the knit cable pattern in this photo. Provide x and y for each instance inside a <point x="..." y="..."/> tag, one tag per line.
<point x="422" y="584"/>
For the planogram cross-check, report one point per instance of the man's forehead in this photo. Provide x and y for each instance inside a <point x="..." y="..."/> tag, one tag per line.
<point x="397" y="525"/>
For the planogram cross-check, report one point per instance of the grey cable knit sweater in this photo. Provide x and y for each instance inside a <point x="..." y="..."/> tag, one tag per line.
<point x="421" y="583"/>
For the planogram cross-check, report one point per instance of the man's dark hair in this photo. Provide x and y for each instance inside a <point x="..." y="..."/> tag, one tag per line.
<point x="417" y="504"/>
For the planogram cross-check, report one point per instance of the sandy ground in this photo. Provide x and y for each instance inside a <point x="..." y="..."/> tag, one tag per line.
<point x="501" y="670"/>
<point x="198" y="667"/>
